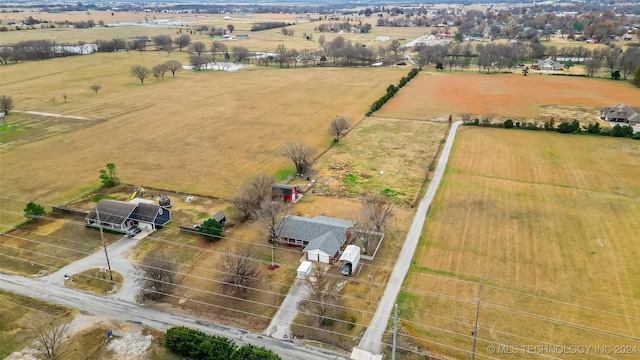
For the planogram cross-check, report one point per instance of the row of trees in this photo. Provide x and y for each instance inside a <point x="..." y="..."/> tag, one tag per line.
<point x="142" y="72"/>
<point x="564" y="127"/>
<point x="493" y="56"/>
<point x="392" y="90"/>
<point x="344" y="26"/>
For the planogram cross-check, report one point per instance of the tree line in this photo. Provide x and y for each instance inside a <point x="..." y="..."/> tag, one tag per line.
<point x="565" y="127"/>
<point x="495" y="57"/>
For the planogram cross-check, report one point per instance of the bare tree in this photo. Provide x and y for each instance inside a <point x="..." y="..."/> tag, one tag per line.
<point x="218" y="48"/>
<point x="300" y="154"/>
<point x="322" y="292"/>
<point x="52" y="332"/>
<point x="630" y="59"/>
<point x="159" y="273"/>
<point x="376" y="209"/>
<point x="240" y="53"/>
<point x="198" y="47"/>
<point x="163" y="42"/>
<point x="241" y="268"/>
<point x="395" y="46"/>
<point x="140" y="72"/>
<point x="268" y="214"/>
<point x="6" y="104"/>
<point x="198" y="62"/>
<point x="281" y="50"/>
<point x="592" y="66"/>
<point x="173" y="66"/>
<point x="338" y="126"/>
<point x="251" y="195"/>
<point x="182" y="41"/>
<point x="159" y="70"/>
<point x="95" y="88"/>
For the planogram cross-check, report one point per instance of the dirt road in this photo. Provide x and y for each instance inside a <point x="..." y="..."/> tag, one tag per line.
<point x="371" y="341"/>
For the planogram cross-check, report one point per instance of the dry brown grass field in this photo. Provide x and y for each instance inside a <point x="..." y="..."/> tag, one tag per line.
<point x="266" y="40"/>
<point x="203" y="132"/>
<point x="18" y="314"/>
<point x="44" y="245"/>
<point x="546" y="219"/>
<point x="508" y="95"/>
<point x="381" y="154"/>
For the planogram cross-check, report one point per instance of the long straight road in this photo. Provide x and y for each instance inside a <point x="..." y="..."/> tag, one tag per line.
<point x="127" y="311"/>
<point x="372" y="339"/>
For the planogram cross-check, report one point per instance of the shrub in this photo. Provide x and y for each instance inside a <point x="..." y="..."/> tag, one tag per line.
<point x="352" y="322"/>
<point x="33" y="209"/>
<point x="622" y="131"/>
<point x="327" y="321"/>
<point x="593" y="128"/>
<point x="198" y="345"/>
<point x="508" y="124"/>
<point x="211" y="229"/>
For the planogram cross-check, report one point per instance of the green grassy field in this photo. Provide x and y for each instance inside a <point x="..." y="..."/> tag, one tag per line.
<point x="548" y="220"/>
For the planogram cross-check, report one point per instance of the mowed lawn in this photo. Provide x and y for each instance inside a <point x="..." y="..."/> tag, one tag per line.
<point x="438" y="94"/>
<point x="201" y="132"/>
<point x="551" y="222"/>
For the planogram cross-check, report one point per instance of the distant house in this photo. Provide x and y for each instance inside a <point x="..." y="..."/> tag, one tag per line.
<point x="321" y="236"/>
<point x="121" y="216"/>
<point x="548" y="64"/>
<point x="286" y="193"/>
<point x="227" y="18"/>
<point x="621" y="113"/>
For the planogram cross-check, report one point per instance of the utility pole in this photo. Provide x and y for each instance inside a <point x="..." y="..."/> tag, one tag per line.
<point x="475" y="331"/>
<point x="103" y="243"/>
<point x="395" y="331"/>
<point x="370" y="287"/>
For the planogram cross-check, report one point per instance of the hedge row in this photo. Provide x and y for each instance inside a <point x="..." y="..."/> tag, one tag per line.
<point x="392" y="90"/>
<point x="195" y="344"/>
<point x="564" y="127"/>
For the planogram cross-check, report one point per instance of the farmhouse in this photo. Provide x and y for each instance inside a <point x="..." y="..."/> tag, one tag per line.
<point x="286" y="193"/>
<point x="621" y="113"/>
<point x="548" y="64"/>
<point x="120" y="216"/>
<point x="321" y="236"/>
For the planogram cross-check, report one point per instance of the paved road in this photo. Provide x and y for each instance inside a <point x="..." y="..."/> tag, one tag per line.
<point x="127" y="311"/>
<point x="279" y="326"/>
<point x="116" y="251"/>
<point x="371" y="341"/>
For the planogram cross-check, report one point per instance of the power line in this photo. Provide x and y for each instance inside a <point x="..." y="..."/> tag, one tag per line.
<point x="461" y="299"/>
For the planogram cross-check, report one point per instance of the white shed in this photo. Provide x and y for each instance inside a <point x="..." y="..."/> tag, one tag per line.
<point x="350" y="259"/>
<point x="303" y="270"/>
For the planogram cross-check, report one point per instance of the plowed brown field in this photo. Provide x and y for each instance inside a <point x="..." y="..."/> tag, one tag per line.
<point x="550" y="221"/>
<point x="440" y="94"/>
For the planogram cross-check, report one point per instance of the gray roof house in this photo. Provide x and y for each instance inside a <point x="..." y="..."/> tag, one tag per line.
<point x="321" y="236"/>
<point x="549" y="64"/>
<point x="621" y="113"/>
<point x="120" y="216"/>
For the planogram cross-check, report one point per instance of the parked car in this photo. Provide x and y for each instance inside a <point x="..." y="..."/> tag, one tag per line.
<point x="134" y="231"/>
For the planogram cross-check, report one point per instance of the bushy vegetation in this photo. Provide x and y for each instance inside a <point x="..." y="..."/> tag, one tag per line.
<point x="33" y="209"/>
<point x="108" y="176"/>
<point x="392" y="90"/>
<point x="565" y="127"/>
<point x="198" y="345"/>
<point x="211" y="229"/>
<point x="268" y="25"/>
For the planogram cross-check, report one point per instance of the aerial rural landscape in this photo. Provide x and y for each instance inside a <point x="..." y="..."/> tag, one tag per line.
<point x="319" y="180"/>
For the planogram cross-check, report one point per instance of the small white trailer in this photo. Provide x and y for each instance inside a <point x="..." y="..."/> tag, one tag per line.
<point x="303" y="270"/>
